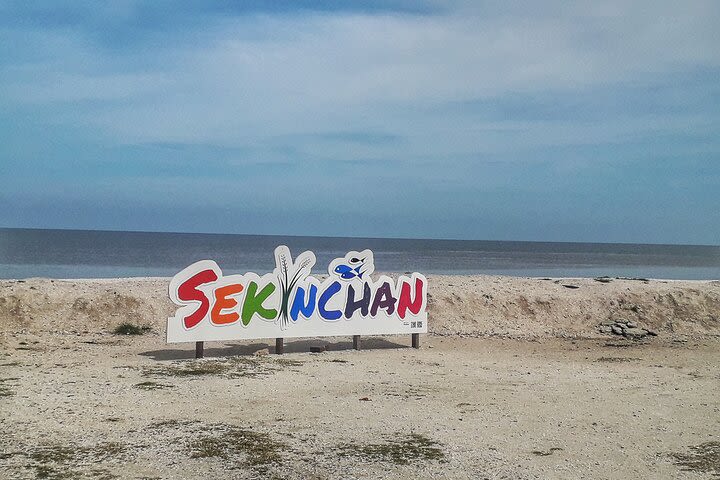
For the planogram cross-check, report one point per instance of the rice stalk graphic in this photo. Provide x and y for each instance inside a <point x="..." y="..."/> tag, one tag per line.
<point x="289" y="274"/>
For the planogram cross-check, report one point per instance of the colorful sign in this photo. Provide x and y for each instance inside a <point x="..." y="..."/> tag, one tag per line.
<point x="289" y="302"/>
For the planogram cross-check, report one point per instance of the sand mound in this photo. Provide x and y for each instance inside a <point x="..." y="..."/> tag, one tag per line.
<point x="73" y="306"/>
<point x="520" y="307"/>
<point x="458" y="305"/>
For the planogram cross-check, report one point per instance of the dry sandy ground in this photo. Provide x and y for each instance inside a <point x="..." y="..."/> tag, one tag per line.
<point x="503" y="388"/>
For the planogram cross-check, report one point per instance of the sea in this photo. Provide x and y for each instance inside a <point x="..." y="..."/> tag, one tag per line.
<point x="26" y="253"/>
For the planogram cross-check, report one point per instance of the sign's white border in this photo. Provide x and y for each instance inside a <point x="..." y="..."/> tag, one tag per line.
<point x="367" y="306"/>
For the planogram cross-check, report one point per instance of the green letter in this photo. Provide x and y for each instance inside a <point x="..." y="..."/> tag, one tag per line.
<point x="254" y="300"/>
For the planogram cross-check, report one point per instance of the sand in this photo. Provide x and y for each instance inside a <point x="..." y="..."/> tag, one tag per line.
<point x="514" y="380"/>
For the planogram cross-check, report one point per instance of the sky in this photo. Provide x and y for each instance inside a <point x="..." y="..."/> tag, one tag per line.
<point x="543" y="120"/>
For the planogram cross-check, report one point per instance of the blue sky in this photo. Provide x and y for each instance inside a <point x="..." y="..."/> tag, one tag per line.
<point x="553" y="121"/>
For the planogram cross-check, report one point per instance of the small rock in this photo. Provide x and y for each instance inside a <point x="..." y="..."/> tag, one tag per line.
<point x="605" y="329"/>
<point x="617" y="330"/>
<point x="631" y="324"/>
<point x="652" y="333"/>
<point x="608" y="323"/>
<point x="635" y="332"/>
<point x="262" y="352"/>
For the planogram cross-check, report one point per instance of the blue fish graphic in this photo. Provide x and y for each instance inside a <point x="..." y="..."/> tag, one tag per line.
<point x="351" y="271"/>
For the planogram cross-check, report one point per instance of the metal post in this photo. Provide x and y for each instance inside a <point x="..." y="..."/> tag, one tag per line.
<point x="356" y="342"/>
<point x="416" y="340"/>
<point x="199" y="349"/>
<point x="279" y="346"/>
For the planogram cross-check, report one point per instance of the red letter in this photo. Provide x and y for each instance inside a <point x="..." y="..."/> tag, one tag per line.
<point x="404" y="303"/>
<point x="188" y="291"/>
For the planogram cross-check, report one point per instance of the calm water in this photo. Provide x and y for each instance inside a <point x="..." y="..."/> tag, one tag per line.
<point x="93" y="254"/>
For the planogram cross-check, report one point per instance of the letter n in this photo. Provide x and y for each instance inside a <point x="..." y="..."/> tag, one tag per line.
<point x="405" y="303"/>
<point x="298" y="305"/>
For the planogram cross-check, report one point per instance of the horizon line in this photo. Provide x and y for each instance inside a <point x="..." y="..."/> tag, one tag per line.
<point x="352" y="238"/>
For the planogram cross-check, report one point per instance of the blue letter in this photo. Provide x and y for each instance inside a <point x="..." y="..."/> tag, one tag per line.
<point x="325" y="298"/>
<point x="299" y="307"/>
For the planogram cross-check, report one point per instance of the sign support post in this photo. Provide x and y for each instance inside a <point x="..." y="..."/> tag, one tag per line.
<point x="356" y="342"/>
<point x="279" y="346"/>
<point x="199" y="349"/>
<point x="416" y="340"/>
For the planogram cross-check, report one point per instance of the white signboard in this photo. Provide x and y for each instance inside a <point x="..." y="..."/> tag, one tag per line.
<point x="289" y="302"/>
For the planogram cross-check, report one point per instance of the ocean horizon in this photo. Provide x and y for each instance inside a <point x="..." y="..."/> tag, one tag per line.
<point x="56" y="253"/>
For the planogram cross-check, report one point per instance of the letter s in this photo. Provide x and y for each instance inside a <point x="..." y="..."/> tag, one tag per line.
<point x="188" y="291"/>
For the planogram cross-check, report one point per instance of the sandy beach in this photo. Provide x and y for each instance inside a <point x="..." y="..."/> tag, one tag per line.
<point x="518" y="378"/>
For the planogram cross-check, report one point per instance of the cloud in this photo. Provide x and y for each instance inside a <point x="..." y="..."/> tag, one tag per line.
<point x="141" y="98"/>
<point x="263" y="75"/>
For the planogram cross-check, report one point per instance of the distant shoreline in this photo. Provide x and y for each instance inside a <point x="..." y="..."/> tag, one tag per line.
<point x="335" y="237"/>
<point x="391" y="274"/>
